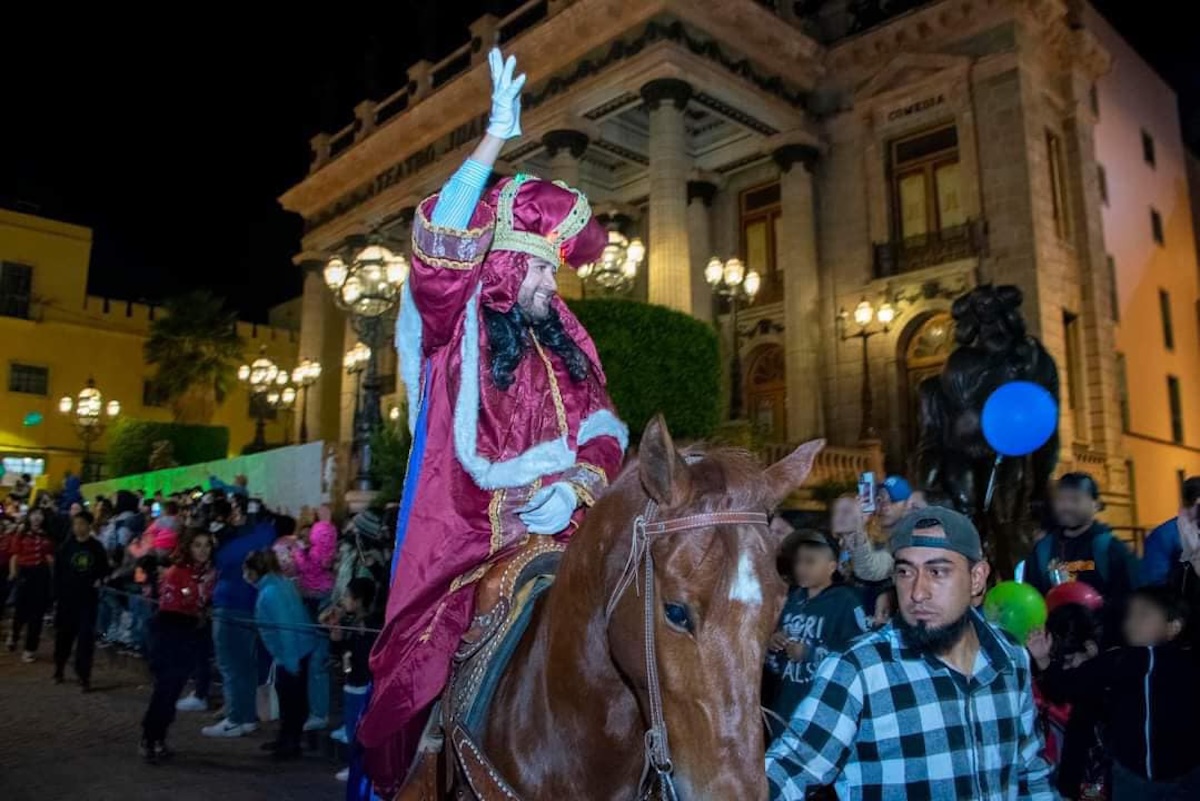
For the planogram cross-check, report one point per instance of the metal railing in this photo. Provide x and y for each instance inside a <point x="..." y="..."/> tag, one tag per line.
<point x="931" y="249"/>
<point x="833" y="464"/>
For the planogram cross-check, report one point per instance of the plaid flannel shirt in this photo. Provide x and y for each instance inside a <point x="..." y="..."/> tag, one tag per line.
<point x="884" y="721"/>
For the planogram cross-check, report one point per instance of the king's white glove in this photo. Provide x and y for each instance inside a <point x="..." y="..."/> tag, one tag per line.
<point x="505" y="121"/>
<point x="549" y="510"/>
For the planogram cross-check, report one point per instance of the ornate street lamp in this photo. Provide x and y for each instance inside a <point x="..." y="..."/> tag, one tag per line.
<point x="90" y="416"/>
<point x="304" y="376"/>
<point x="865" y="313"/>
<point x="729" y="279"/>
<point x="617" y="268"/>
<point x="282" y="397"/>
<point x="260" y="376"/>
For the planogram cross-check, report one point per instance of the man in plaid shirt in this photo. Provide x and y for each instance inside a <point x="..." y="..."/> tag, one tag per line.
<point x="935" y="705"/>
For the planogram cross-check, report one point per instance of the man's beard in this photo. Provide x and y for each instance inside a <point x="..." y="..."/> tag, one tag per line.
<point x="936" y="640"/>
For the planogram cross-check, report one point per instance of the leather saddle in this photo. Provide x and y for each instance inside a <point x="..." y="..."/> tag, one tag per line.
<point x="504" y="602"/>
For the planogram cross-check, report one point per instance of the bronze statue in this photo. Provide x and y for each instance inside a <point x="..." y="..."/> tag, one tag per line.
<point x="953" y="457"/>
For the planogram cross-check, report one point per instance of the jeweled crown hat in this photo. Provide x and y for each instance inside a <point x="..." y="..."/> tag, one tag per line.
<point x="547" y="219"/>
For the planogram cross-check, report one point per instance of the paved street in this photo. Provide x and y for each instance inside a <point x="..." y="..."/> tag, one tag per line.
<point x="57" y="743"/>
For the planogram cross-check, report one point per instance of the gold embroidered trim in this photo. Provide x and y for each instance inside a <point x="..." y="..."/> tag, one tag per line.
<point x="470" y="577"/>
<point x="599" y="471"/>
<point x="559" y="409"/>
<point x="585" y="498"/>
<point x="497" y="526"/>
<point x="448" y="264"/>
<point x="461" y="233"/>
<point x="544" y="247"/>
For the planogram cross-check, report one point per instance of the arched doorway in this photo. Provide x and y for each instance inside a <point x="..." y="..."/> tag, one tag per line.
<point x="766" y="392"/>
<point x="926" y="348"/>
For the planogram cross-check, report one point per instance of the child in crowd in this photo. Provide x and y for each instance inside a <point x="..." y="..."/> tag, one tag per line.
<point x="356" y="624"/>
<point x="29" y="568"/>
<point x="1072" y="730"/>
<point x="821" y="616"/>
<point x="287" y="633"/>
<point x="176" y="634"/>
<point x="1151" y="698"/>
<point x="80" y="566"/>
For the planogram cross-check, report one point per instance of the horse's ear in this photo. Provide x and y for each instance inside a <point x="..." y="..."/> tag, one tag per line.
<point x="663" y="472"/>
<point x="789" y="473"/>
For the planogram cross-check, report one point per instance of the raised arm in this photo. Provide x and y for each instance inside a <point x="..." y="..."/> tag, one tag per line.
<point x="458" y="198"/>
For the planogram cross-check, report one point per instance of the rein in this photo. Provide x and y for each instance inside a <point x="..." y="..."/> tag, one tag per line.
<point x="658" y="749"/>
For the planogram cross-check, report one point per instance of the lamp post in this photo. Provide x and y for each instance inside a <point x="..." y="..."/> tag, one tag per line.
<point x="355" y="362"/>
<point x="260" y="376"/>
<point x="617" y="268"/>
<point x="366" y="283"/>
<point x="864" y="314"/>
<point x="282" y="397"/>
<point x="90" y="415"/>
<point x="304" y="376"/>
<point x="729" y="279"/>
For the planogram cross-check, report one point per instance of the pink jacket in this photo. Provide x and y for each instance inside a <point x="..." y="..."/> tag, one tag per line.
<point x="314" y="564"/>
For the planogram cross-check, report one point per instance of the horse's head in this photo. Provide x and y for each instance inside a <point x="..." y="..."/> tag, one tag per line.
<point x="716" y="600"/>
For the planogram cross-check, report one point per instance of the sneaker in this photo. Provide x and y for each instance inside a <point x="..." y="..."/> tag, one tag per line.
<point x="338" y="735"/>
<point x="146" y="752"/>
<point x="191" y="704"/>
<point x="249" y="728"/>
<point x="315" y="723"/>
<point x="29" y="657"/>
<point x="226" y="728"/>
<point x="342" y="775"/>
<point x="161" y="751"/>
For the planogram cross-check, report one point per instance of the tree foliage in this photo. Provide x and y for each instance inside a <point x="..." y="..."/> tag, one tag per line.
<point x="195" y="348"/>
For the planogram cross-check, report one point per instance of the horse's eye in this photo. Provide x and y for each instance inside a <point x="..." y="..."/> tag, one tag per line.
<point x="679" y="617"/>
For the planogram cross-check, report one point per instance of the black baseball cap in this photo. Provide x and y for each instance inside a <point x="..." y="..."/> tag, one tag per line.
<point x="918" y="529"/>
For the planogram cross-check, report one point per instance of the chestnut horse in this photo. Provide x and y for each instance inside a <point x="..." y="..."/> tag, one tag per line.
<point x="570" y="715"/>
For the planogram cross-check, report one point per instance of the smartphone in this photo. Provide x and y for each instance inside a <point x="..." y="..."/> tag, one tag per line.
<point x="866" y="492"/>
<point x="155" y="509"/>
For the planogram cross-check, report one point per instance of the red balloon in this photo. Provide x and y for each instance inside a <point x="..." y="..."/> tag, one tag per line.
<point x="1074" y="592"/>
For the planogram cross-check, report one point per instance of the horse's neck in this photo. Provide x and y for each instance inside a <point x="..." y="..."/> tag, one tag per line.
<point x="561" y="696"/>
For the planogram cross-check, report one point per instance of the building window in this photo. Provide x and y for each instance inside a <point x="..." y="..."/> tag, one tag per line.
<point x="28" y="379"/>
<point x="1058" y="185"/>
<point x="759" y="208"/>
<point x="1102" y="175"/>
<point x="1164" y="308"/>
<point x="1156" y="226"/>
<point x="16" y="289"/>
<point x="1114" y="296"/>
<point x="1123" y="391"/>
<point x="1176" y="401"/>
<point x="1076" y="390"/>
<point x="153" y="396"/>
<point x="927" y="184"/>
<point x="17" y="466"/>
<point x="1148" y="147"/>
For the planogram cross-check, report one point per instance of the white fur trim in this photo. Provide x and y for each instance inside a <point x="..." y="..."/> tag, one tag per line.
<point x="547" y="458"/>
<point x="408" y="348"/>
<point x="603" y="423"/>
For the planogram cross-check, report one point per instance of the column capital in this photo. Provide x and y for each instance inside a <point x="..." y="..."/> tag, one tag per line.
<point x="704" y="191"/>
<point x="787" y="155"/>
<point x="672" y="89"/>
<point x="574" y="142"/>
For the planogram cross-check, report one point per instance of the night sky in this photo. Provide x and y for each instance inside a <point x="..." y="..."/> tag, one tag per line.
<point x="173" y="136"/>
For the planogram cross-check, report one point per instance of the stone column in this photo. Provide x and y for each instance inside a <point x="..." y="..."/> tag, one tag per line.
<point x="700" y="197"/>
<point x="319" y="323"/>
<point x="797" y="250"/>
<point x="565" y="148"/>
<point x="669" y="260"/>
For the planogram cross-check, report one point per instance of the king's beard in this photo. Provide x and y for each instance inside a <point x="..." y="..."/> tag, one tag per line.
<point x="936" y="640"/>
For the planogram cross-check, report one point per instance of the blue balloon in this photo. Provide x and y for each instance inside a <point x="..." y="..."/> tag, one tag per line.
<point x="1019" y="417"/>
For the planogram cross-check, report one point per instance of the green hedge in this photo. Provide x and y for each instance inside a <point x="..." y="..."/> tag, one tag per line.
<point x="657" y="360"/>
<point x="389" y="461"/>
<point x="130" y="442"/>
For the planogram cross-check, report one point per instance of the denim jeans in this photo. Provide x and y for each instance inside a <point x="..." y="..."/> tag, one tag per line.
<point x="318" y="666"/>
<point x="140" y="610"/>
<point x="235" y="640"/>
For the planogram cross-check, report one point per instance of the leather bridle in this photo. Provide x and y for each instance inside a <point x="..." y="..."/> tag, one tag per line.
<point x="658" y="768"/>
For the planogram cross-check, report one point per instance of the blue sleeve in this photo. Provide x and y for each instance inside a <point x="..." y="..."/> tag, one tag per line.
<point x="1160" y="551"/>
<point x="460" y="195"/>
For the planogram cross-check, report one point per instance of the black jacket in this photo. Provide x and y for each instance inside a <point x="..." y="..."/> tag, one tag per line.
<point x="354" y="649"/>
<point x="1151" y="703"/>
<point x="79" y="567"/>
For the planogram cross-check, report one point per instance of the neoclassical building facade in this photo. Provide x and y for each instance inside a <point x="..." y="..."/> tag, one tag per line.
<point x="898" y="158"/>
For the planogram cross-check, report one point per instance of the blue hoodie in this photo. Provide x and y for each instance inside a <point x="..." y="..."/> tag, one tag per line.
<point x="233" y="546"/>
<point x="1160" y="553"/>
<point x="283" y="622"/>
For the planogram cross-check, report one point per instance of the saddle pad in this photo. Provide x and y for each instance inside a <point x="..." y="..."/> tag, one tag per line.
<point x="475" y="679"/>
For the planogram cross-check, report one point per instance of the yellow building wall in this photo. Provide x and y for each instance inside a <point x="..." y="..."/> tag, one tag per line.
<point x="76" y="337"/>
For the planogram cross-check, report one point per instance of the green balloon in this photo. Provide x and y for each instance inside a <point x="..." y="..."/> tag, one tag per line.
<point x="1015" y="607"/>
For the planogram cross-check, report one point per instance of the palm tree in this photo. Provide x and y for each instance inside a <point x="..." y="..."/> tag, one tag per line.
<point x="195" y="347"/>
